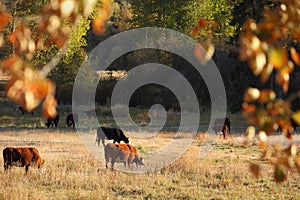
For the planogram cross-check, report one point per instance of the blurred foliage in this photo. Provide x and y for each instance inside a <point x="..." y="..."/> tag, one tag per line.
<point x="266" y="46"/>
<point x="28" y="86"/>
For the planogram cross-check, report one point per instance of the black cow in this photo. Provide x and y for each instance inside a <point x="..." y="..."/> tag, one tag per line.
<point x="111" y="134"/>
<point x="51" y="122"/>
<point x="71" y="119"/>
<point x="90" y="113"/>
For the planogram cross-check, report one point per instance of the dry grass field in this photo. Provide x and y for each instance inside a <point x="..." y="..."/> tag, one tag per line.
<point x="70" y="172"/>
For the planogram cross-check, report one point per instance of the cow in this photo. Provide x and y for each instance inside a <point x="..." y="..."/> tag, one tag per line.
<point x="71" y="119"/>
<point x="22" y="156"/>
<point x="111" y="134"/>
<point x="125" y="153"/>
<point x="23" y="111"/>
<point x="90" y="113"/>
<point x="51" y="122"/>
<point x="222" y="125"/>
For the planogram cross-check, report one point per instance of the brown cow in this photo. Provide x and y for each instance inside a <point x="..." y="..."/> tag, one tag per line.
<point x="122" y="153"/>
<point x="22" y="156"/>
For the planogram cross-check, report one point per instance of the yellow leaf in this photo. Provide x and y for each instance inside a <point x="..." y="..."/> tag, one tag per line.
<point x="296" y="117"/>
<point x="250" y="132"/>
<point x="278" y="57"/>
<point x="295" y="56"/>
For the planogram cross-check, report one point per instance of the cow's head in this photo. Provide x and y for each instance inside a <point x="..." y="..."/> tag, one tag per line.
<point x="126" y="140"/>
<point x="48" y="123"/>
<point x="40" y="163"/>
<point x="139" y="161"/>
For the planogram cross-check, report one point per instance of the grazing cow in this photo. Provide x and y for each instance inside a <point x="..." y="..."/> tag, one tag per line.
<point x="71" y="119"/>
<point x="51" y="122"/>
<point x="222" y="125"/>
<point x="125" y="153"/>
<point x="111" y="134"/>
<point x="90" y="113"/>
<point x="22" y="156"/>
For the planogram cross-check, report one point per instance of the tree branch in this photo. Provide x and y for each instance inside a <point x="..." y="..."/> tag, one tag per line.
<point x="54" y="62"/>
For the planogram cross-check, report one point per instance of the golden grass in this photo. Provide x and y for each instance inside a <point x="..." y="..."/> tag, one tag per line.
<point x="70" y="172"/>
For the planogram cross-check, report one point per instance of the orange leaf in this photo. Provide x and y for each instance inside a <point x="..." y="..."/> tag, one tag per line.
<point x="295" y="56"/>
<point x="266" y="95"/>
<point x="12" y="38"/>
<point x="214" y="24"/>
<point x="255" y="169"/>
<point x="202" y="23"/>
<point x="49" y="107"/>
<point x="99" y="26"/>
<point x="195" y="30"/>
<point x="4" y="18"/>
<point x="248" y="109"/>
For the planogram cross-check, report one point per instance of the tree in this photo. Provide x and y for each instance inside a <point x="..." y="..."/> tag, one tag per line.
<point x="29" y="86"/>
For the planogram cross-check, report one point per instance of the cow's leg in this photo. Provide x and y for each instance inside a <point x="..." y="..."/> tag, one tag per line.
<point x="113" y="160"/>
<point x="128" y="163"/>
<point x="102" y="141"/>
<point x="5" y="166"/>
<point x="106" y="164"/>
<point x="97" y="140"/>
<point x="26" y="169"/>
<point x="225" y="130"/>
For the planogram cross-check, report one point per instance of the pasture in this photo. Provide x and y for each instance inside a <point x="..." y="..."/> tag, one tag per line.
<point x="70" y="172"/>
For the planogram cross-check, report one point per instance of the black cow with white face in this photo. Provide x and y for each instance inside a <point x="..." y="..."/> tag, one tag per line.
<point x="111" y="134"/>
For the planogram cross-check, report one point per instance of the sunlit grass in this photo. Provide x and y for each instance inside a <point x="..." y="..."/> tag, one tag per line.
<point x="70" y="172"/>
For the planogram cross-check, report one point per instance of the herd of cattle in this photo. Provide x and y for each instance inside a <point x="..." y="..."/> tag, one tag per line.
<point x="120" y="152"/>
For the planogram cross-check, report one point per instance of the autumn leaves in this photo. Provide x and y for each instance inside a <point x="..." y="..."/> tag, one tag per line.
<point x="27" y="86"/>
